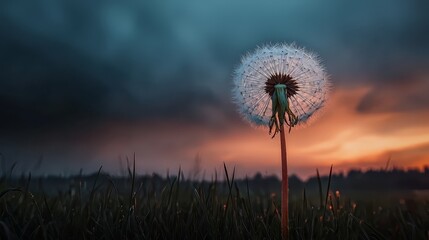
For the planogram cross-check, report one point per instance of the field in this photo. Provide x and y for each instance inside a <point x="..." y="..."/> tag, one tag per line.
<point x="136" y="207"/>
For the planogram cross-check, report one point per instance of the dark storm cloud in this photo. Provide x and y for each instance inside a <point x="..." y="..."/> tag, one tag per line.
<point x="45" y="83"/>
<point x="73" y="63"/>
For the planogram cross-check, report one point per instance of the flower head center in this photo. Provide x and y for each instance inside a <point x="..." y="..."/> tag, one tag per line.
<point x="279" y="78"/>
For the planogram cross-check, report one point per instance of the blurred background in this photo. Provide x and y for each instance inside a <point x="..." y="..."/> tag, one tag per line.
<point x="90" y="83"/>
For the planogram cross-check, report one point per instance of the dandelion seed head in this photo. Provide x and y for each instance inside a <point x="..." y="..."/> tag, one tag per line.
<point x="307" y="84"/>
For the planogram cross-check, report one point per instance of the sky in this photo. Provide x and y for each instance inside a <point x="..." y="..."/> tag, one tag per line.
<point x="85" y="84"/>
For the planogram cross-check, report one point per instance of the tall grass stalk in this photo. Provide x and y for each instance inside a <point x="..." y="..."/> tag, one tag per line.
<point x="142" y="207"/>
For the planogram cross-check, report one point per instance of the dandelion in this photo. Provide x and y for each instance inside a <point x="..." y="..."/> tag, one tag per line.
<point x="277" y="85"/>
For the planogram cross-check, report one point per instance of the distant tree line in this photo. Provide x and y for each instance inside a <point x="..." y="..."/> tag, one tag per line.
<point x="354" y="180"/>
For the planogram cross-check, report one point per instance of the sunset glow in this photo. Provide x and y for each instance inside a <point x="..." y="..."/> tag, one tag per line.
<point x="156" y="80"/>
<point x="351" y="141"/>
<point x="343" y="137"/>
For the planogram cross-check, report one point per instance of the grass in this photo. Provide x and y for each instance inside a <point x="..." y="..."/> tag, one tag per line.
<point x="181" y="209"/>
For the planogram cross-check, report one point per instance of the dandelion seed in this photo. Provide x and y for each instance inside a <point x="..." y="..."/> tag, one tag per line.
<point x="276" y="85"/>
<point x="288" y="69"/>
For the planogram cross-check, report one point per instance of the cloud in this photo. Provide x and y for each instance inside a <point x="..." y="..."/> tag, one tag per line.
<point x="62" y="67"/>
<point x="406" y="94"/>
<point x="64" y="62"/>
<point x="69" y="68"/>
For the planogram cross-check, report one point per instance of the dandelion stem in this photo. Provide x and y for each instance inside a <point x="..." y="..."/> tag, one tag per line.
<point x="285" y="186"/>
